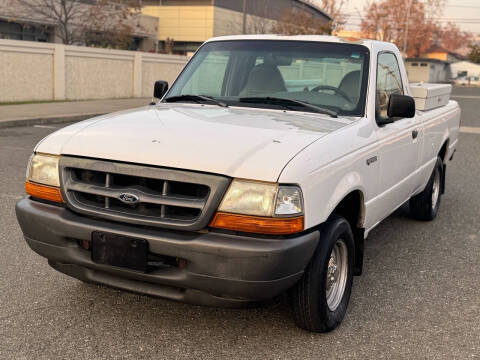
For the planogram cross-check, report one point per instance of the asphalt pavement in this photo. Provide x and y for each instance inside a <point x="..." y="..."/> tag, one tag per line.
<point x="419" y="297"/>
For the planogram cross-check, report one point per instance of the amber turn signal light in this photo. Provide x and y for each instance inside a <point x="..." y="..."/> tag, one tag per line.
<point x="258" y="225"/>
<point x="44" y="192"/>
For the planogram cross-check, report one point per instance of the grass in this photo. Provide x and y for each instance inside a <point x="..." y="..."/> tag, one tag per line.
<point x="58" y="101"/>
<point x="32" y="102"/>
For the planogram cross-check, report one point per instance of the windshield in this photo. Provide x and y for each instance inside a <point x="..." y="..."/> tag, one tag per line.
<point x="328" y="75"/>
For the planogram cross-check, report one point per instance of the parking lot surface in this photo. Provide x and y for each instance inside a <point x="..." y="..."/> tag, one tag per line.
<point x="419" y="297"/>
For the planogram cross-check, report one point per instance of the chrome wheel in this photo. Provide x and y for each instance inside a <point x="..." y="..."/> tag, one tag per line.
<point x="436" y="189"/>
<point x="337" y="273"/>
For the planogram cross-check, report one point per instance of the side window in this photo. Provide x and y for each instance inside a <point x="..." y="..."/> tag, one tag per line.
<point x="389" y="81"/>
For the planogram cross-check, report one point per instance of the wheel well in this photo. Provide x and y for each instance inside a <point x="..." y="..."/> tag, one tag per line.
<point x="443" y="151"/>
<point x="443" y="155"/>
<point x="352" y="209"/>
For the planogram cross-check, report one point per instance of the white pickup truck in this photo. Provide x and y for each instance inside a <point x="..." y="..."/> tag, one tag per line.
<point x="262" y="169"/>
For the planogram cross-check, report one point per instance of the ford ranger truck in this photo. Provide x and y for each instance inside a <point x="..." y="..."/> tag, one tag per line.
<point x="261" y="170"/>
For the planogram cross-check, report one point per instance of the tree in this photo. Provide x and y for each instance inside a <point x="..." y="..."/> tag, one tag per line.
<point x="294" y="21"/>
<point x="63" y="13"/>
<point x="82" y="22"/>
<point x="388" y="20"/>
<point x="110" y="23"/>
<point x="297" y="22"/>
<point x="451" y="37"/>
<point x="474" y="55"/>
<point x="334" y="8"/>
<point x="260" y="24"/>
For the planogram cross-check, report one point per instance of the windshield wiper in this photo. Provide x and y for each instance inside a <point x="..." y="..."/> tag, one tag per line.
<point x="289" y="103"/>
<point x="196" y="98"/>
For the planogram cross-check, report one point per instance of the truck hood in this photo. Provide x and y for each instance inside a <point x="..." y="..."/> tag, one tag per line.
<point x="237" y="142"/>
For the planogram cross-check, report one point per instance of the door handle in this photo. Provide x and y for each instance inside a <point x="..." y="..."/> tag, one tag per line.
<point x="414" y="134"/>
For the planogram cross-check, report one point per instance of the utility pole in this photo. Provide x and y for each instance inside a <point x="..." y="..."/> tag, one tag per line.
<point x="244" y="17"/>
<point x="407" y="21"/>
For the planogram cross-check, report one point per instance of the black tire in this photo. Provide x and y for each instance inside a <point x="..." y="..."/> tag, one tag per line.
<point x="309" y="296"/>
<point x="422" y="206"/>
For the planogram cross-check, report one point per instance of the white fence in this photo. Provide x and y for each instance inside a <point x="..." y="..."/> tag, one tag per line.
<point x="31" y="71"/>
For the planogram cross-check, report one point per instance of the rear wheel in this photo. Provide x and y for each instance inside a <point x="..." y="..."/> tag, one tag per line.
<point x="320" y="298"/>
<point x="425" y="205"/>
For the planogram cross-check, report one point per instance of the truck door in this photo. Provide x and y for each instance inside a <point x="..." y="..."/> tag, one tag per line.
<point x="398" y="141"/>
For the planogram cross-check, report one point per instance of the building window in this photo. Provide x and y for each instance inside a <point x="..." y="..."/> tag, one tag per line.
<point x="17" y="31"/>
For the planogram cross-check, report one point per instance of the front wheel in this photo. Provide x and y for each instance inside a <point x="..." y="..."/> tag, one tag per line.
<point x="320" y="298"/>
<point x="425" y="205"/>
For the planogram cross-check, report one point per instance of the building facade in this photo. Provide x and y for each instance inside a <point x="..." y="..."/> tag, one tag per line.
<point x="20" y="23"/>
<point x="439" y="53"/>
<point x="23" y="29"/>
<point x="191" y="22"/>
<point x="465" y="68"/>
<point x="428" y="70"/>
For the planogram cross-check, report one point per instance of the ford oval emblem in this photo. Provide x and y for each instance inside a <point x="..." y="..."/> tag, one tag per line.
<point x="128" y="198"/>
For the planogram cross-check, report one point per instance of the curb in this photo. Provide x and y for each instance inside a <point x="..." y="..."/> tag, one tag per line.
<point x="57" y="119"/>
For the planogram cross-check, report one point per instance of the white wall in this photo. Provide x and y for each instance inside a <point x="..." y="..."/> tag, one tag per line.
<point x="431" y="72"/>
<point x="26" y="71"/>
<point x="472" y="69"/>
<point x="31" y="71"/>
<point x="418" y="73"/>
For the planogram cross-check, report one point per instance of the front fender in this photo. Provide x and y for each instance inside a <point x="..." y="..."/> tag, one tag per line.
<point x="351" y="182"/>
<point x="331" y="168"/>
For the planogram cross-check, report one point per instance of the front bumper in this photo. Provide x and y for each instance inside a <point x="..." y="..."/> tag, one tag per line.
<point x="219" y="269"/>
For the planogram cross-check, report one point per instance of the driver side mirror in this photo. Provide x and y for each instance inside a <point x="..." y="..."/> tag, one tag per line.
<point x="401" y="106"/>
<point x="160" y="89"/>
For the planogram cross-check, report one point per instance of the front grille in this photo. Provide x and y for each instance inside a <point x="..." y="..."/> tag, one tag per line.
<point x="142" y="195"/>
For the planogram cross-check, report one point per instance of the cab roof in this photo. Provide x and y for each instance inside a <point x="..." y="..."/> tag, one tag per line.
<point x="371" y="44"/>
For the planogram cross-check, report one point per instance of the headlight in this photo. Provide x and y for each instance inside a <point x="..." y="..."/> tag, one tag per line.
<point x="43" y="169"/>
<point x="262" y="208"/>
<point x="251" y="198"/>
<point x="262" y="199"/>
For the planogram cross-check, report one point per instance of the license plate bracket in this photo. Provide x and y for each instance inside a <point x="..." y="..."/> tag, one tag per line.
<point x="120" y="251"/>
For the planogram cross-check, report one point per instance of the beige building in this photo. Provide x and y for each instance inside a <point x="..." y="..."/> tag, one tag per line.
<point x="439" y="53"/>
<point x="351" y="34"/>
<point x="190" y="22"/>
